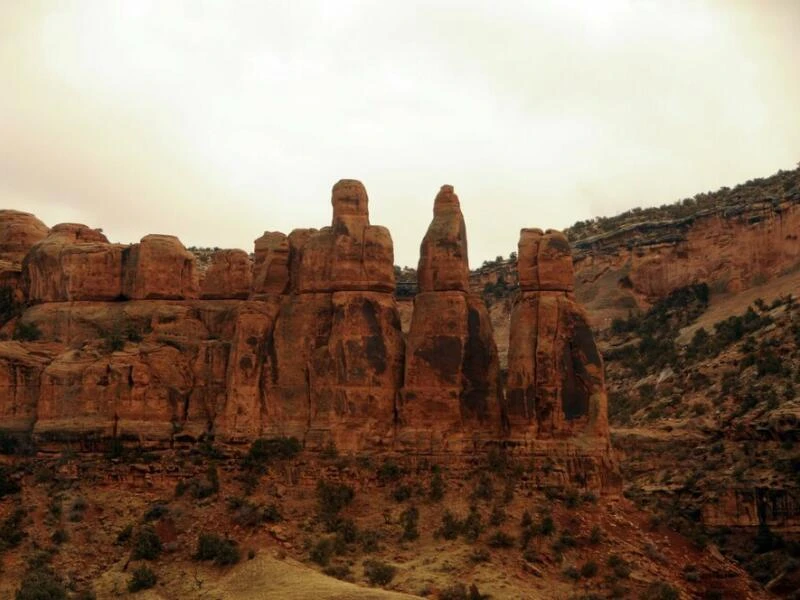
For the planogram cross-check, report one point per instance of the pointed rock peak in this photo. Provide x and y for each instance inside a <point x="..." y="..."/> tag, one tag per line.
<point x="349" y="199"/>
<point x="446" y="200"/>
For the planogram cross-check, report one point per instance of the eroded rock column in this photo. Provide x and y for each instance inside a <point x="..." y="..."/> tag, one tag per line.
<point x="555" y="386"/>
<point x="450" y="400"/>
<point x="336" y="362"/>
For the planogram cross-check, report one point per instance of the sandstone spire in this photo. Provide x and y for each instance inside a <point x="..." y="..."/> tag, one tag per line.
<point x="451" y="394"/>
<point x="555" y="382"/>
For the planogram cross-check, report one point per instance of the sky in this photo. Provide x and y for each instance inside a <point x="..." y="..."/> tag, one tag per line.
<point x="216" y="121"/>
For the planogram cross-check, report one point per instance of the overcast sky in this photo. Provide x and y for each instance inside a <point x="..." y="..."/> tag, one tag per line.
<point x="215" y="121"/>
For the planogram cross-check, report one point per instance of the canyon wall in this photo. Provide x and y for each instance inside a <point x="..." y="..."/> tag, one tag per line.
<point x="302" y="339"/>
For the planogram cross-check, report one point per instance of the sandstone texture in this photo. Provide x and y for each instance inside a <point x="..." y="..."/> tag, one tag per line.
<point x="271" y="266"/>
<point x="229" y="275"/>
<point x="555" y="384"/>
<point x="304" y="339"/>
<point x="452" y="395"/>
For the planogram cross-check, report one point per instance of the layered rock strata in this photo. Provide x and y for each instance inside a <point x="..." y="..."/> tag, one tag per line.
<point x="452" y="395"/>
<point x="303" y="339"/>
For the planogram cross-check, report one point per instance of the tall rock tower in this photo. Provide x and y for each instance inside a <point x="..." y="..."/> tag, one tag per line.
<point x="555" y="386"/>
<point x="451" y="398"/>
<point x="336" y="363"/>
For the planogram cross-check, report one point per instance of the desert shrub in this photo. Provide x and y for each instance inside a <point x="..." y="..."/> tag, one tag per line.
<point x="436" y="491"/>
<point x="41" y="584"/>
<point x="389" y="471"/>
<point x="408" y="520"/>
<point x="272" y="514"/>
<point x="346" y="533"/>
<point x="451" y="526"/>
<point x="331" y="499"/>
<point x="125" y="534"/>
<point x="378" y="572"/>
<point x="497" y="517"/>
<point x="596" y="536"/>
<point x="546" y="527"/>
<point x="589" y="569"/>
<point x="484" y="490"/>
<point x="11" y="530"/>
<point x="500" y="539"/>
<point x="339" y="572"/>
<point x="59" y="536"/>
<point x="572" y="573"/>
<point x="480" y="555"/>
<point x="146" y="544"/>
<point x="8" y="485"/>
<point x="143" y="578"/>
<point x="221" y="550"/>
<point x="322" y="552"/>
<point x="265" y="450"/>
<point x="401" y="493"/>
<point x="27" y="332"/>
<point x="369" y="540"/>
<point x="472" y="526"/>
<point x="155" y="512"/>
<point x="459" y="591"/>
<point x="659" y="590"/>
<point x="244" y="512"/>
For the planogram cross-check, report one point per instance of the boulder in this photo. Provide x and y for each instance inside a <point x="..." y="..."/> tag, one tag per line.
<point x="544" y="261"/>
<point x="228" y="276"/>
<point x="159" y="268"/>
<point x="271" y="266"/>
<point x="73" y="263"/>
<point x="19" y="232"/>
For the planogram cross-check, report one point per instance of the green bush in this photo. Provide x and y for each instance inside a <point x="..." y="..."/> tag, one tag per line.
<point x="378" y="572"/>
<point x="500" y="539"/>
<point x="409" y="519"/>
<point x="659" y="590"/>
<point x="589" y="569"/>
<point x="436" y="491"/>
<point x="27" y="332"/>
<point x="339" y="572"/>
<point x="8" y="485"/>
<point x="11" y="530"/>
<point x="322" y="552"/>
<point x="146" y="544"/>
<point x="220" y="550"/>
<point x="389" y="472"/>
<point x="331" y="499"/>
<point x="143" y="578"/>
<point x="41" y="584"/>
<point x="265" y="450"/>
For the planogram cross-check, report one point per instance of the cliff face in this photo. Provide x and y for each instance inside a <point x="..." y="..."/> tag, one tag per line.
<point x="303" y="339"/>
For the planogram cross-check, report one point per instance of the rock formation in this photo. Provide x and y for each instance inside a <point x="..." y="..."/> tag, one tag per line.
<point x="451" y="397"/>
<point x="337" y="360"/>
<point x="555" y="386"/>
<point x="228" y="276"/>
<point x="159" y="268"/>
<point x="271" y="266"/>
<point x="305" y="340"/>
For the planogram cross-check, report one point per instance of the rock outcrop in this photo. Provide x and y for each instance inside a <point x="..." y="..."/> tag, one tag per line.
<point x="229" y="275"/>
<point x="337" y="361"/>
<point x="451" y="398"/>
<point x="73" y="263"/>
<point x="271" y="266"/>
<point x="555" y="384"/>
<point x="159" y="268"/>
<point x="305" y="340"/>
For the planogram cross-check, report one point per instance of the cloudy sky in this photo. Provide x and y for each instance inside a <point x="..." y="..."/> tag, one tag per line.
<point x="216" y="121"/>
